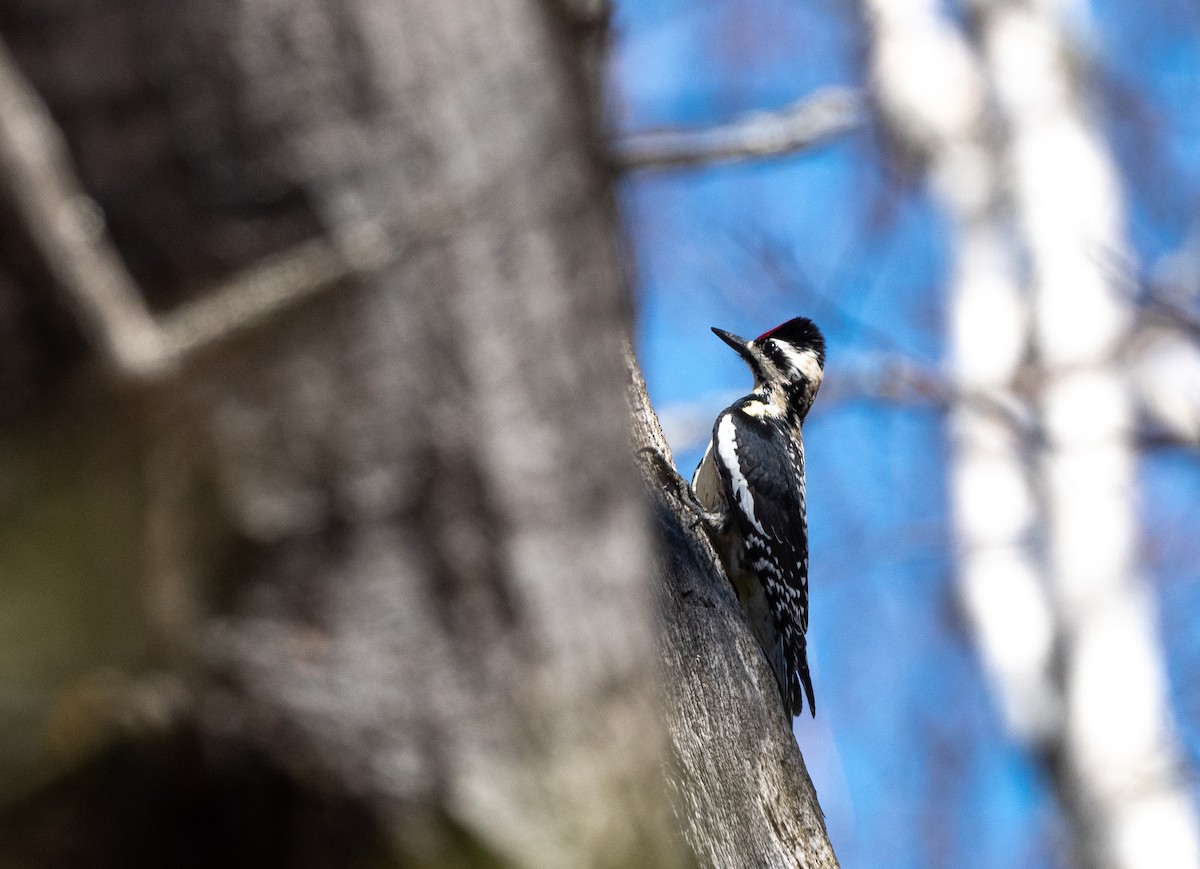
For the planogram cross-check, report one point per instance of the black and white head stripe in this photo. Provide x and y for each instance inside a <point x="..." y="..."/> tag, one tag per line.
<point x="796" y="350"/>
<point x="801" y="333"/>
<point x="792" y="363"/>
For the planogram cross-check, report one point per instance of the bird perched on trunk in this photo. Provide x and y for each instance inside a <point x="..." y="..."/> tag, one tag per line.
<point x="751" y="486"/>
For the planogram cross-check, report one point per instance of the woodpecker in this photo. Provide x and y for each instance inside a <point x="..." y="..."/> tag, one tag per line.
<point x="750" y="484"/>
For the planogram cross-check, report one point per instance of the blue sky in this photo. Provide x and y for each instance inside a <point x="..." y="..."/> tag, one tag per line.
<point x="908" y="752"/>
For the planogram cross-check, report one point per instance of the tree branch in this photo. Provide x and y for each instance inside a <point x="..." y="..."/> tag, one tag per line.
<point x="805" y="124"/>
<point x="67" y="228"/>
<point x="258" y="292"/>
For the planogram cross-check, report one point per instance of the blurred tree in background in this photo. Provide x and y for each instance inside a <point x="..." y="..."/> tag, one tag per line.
<point x="327" y="548"/>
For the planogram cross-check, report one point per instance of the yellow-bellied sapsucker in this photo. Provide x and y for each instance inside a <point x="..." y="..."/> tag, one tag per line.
<point x="751" y="486"/>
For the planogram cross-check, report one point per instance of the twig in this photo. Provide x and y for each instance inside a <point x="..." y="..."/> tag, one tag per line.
<point x="901" y="381"/>
<point x="802" y="125"/>
<point x="68" y="229"/>
<point x="1171" y="313"/>
<point x="1154" y="299"/>
<point x="893" y="378"/>
<point x="278" y="282"/>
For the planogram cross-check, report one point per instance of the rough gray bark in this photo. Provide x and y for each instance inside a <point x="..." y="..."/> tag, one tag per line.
<point x="742" y="793"/>
<point x="396" y="544"/>
<point x="416" y="452"/>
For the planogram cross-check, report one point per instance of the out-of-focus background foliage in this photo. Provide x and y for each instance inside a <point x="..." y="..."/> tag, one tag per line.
<point x="910" y="751"/>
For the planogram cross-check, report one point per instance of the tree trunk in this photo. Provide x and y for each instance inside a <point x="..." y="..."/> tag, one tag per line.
<point x="1043" y="465"/>
<point x="396" y="541"/>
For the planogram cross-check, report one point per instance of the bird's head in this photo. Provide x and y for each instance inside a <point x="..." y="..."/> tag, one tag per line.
<point x="788" y="361"/>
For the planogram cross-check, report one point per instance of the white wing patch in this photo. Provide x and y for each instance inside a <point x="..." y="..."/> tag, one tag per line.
<point x="727" y="452"/>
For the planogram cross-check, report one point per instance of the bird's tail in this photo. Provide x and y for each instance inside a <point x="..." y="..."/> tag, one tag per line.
<point x="791" y="669"/>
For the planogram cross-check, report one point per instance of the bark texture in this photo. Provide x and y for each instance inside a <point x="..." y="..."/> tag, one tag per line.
<point x="395" y="541"/>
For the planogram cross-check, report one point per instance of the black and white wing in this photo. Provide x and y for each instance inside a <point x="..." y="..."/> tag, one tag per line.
<point x="762" y="472"/>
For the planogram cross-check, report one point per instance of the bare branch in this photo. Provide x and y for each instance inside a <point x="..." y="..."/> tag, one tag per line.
<point x="68" y="230"/>
<point x="278" y="282"/>
<point x="804" y="124"/>
<point x="1168" y="312"/>
<point x="1166" y="297"/>
<point x="901" y="381"/>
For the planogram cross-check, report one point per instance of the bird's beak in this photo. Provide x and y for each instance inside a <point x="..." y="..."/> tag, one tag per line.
<point x="741" y="345"/>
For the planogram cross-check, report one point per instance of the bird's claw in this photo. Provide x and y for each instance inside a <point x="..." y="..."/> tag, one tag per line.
<point x="674" y="483"/>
